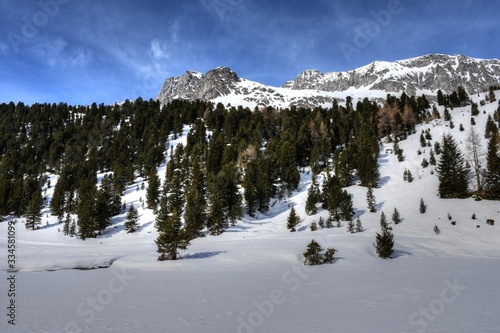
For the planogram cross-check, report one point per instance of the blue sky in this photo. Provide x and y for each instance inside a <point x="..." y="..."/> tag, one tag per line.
<point x="105" y="51"/>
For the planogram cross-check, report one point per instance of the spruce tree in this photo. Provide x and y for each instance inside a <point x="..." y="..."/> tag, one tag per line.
<point x="172" y="236"/>
<point x="451" y="171"/>
<point x="423" y="206"/>
<point x="396" y="217"/>
<point x="132" y="219"/>
<point x="293" y="220"/>
<point x="34" y="211"/>
<point x="437" y="230"/>
<point x="492" y="182"/>
<point x="313" y="255"/>
<point x="385" y="240"/>
<point x="153" y="190"/>
<point x="370" y="200"/>
<point x="313" y="197"/>
<point x="359" y="225"/>
<point x="195" y="215"/>
<point x="329" y="256"/>
<point x="350" y="227"/>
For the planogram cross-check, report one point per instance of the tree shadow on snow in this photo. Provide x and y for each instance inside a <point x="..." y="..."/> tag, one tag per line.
<point x="384" y="180"/>
<point x="400" y="253"/>
<point x="202" y="255"/>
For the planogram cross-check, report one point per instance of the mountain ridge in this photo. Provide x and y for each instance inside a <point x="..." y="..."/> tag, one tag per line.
<point x="414" y="76"/>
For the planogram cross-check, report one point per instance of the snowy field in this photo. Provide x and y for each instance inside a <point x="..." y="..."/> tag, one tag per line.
<point x="251" y="278"/>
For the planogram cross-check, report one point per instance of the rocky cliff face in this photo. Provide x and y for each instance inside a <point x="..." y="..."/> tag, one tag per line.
<point x="415" y="76"/>
<point x="427" y="73"/>
<point x="193" y="85"/>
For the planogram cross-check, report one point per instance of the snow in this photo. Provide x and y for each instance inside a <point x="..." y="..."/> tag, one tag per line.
<point x="251" y="278"/>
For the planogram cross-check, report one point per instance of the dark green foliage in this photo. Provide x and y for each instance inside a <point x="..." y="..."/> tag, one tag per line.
<point x="384" y="241"/>
<point x="313" y="226"/>
<point x="293" y="220"/>
<point x="34" y="211"/>
<point x="224" y="200"/>
<point x="370" y="200"/>
<point x="474" y="109"/>
<point x="195" y="215"/>
<point x="336" y="200"/>
<point x="359" y="225"/>
<point x="367" y="155"/>
<point x="422" y="206"/>
<point x="437" y="230"/>
<point x="132" y="219"/>
<point x="396" y="217"/>
<point x="313" y="197"/>
<point x="432" y="158"/>
<point x="172" y="236"/>
<point x="350" y="226"/>
<point x="492" y="182"/>
<point x="313" y="255"/>
<point x="451" y="171"/>
<point x="153" y="190"/>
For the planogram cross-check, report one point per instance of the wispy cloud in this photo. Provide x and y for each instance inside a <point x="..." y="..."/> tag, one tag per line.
<point x="57" y="53"/>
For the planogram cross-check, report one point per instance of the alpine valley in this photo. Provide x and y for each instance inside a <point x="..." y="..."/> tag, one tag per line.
<point x="360" y="201"/>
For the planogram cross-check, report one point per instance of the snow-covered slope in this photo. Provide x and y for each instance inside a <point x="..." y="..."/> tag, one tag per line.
<point x="415" y="76"/>
<point x="251" y="278"/>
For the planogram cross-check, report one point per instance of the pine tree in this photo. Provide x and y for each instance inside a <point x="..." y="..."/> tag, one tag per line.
<point x="359" y="225"/>
<point x="132" y="219"/>
<point x="492" y="183"/>
<point x="172" y="236"/>
<point x="34" y="211"/>
<point x="329" y="256"/>
<point x="350" y="227"/>
<point x="313" y="197"/>
<point x="396" y="217"/>
<point x="451" y="171"/>
<point x="313" y="226"/>
<point x="293" y="220"/>
<point x="437" y="230"/>
<point x="423" y="206"/>
<point x="195" y="215"/>
<point x="72" y="229"/>
<point x="385" y="240"/>
<point x="67" y="225"/>
<point x="313" y="255"/>
<point x="367" y="155"/>
<point x="370" y="200"/>
<point x="153" y="190"/>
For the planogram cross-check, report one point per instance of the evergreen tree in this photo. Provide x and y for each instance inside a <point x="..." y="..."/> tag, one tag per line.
<point x="329" y="255"/>
<point x="359" y="225"/>
<point x="172" y="236"/>
<point x="313" y="197"/>
<point x="451" y="171"/>
<point x="72" y="229"/>
<point x="313" y="255"/>
<point x="313" y="226"/>
<point x="132" y="219"/>
<point x="423" y="206"/>
<point x="86" y="214"/>
<point x="34" y="211"/>
<point x="153" y="190"/>
<point x="350" y="227"/>
<point x="195" y="215"/>
<point x="384" y="240"/>
<point x="396" y="217"/>
<point x="367" y="155"/>
<point x="66" y="226"/>
<point x="293" y="220"/>
<point x="437" y="230"/>
<point x="492" y="183"/>
<point x="370" y="200"/>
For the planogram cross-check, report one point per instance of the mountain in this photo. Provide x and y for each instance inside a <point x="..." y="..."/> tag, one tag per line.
<point x="415" y="76"/>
